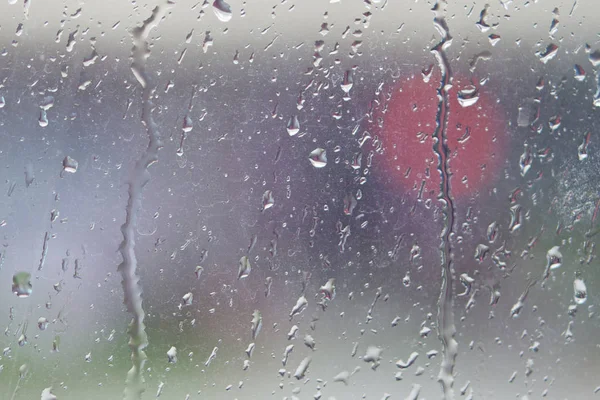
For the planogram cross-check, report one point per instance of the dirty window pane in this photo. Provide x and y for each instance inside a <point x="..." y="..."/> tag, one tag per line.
<point x="299" y="199"/>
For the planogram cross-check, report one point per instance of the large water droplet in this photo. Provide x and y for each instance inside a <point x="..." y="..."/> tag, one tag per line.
<point x="42" y="323"/>
<point x="302" y="368"/>
<point x="222" y="10"/>
<point x="299" y="306"/>
<point x="318" y="157"/>
<point x="373" y="356"/>
<point x="468" y="96"/>
<point x="594" y="58"/>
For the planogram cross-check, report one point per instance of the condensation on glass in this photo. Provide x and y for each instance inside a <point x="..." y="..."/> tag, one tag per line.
<point x="299" y="199"/>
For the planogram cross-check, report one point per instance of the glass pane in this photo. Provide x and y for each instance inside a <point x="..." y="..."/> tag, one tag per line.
<point x="299" y="199"/>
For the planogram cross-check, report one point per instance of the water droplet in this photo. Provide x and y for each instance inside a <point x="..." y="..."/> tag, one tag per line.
<point x="411" y="359"/>
<point x="267" y="201"/>
<point x="482" y="24"/>
<point x="318" y="157"/>
<point x="212" y="356"/>
<point x="492" y="232"/>
<point x="71" y="41"/>
<point x="328" y="289"/>
<point x="579" y="73"/>
<point x="580" y="291"/>
<point x="468" y="96"/>
<point x="208" y="42"/>
<point x="549" y="53"/>
<point x="256" y="323"/>
<point x="43" y="119"/>
<point x="188" y="124"/>
<point x="56" y="344"/>
<point x="582" y="148"/>
<point x="528" y="111"/>
<point x="554" y="122"/>
<point x="481" y="252"/>
<point x="47" y="103"/>
<point x="554" y="258"/>
<point x="250" y="349"/>
<point x="42" y="323"/>
<point x="467" y="282"/>
<point x="292" y="333"/>
<point x="245" y="268"/>
<point x="348" y="82"/>
<point x="22" y="284"/>
<point x="568" y="334"/>
<point x="373" y="356"/>
<point x="293" y="126"/>
<point x="309" y="341"/>
<point x="70" y="165"/>
<point x="298" y="307"/>
<point x="414" y="392"/>
<point x="342" y="377"/>
<point x="22" y="341"/>
<point x="525" y="161"/>
<point x="286" y="353"/>
<point x="23" y="370"/>
<point x="222" y="10"/>
<point x="349" y="204"/>
<point x="494" y="39"/>
<point x="594" y="58"/>
<point x="187" y="299"/>
<point x="424" y="332"/>
<point x="172" y="355"/>
<point x="198" y="271"/>
<point x="302" y="368"/>
<point x="47" y="394"/>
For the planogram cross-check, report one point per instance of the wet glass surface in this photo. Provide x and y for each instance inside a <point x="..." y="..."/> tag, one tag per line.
<point x="299" y="199"/>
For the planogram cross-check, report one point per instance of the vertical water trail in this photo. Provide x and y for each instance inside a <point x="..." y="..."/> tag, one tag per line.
<point x="446" y="328"/>
<point x="138" y="339"/>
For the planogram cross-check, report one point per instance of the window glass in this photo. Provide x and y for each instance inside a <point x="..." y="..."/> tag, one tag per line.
<point x="307" y="199"/>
